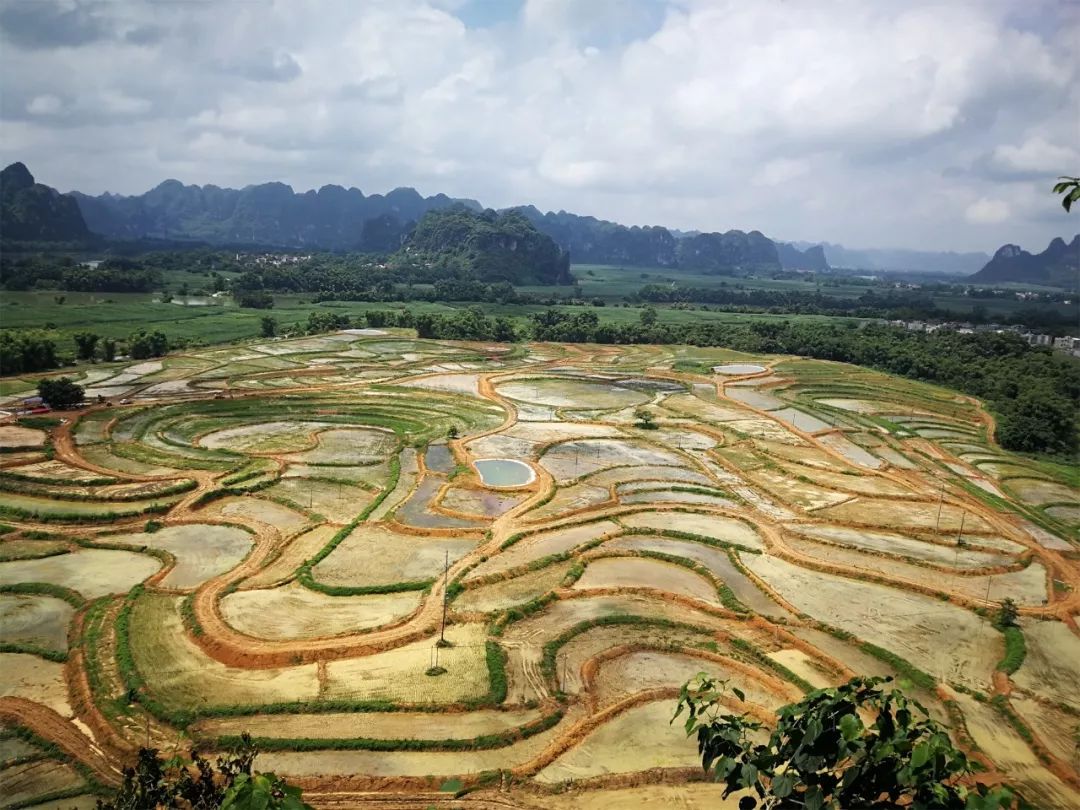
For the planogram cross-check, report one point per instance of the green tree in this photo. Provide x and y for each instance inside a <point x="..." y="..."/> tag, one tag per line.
<point x="504" y="330"/>
<point x="85" y="345"/>
<point x="29" y="350"/>
<point x="262" y="791"/>
<point x="823" y="756"/>
<point x="1007" y="614"/>
<point x="253" y="299"/>
<point x="142" y="344"/>
<point x="199" y="784"/>
<point x="1069" y="188"/>
<point x="267" y="326"/>
<point x="648" y="316"/>
<point x="108" y="350"/>
<point x="644" y="419"/>
<point x="60" y="393"/>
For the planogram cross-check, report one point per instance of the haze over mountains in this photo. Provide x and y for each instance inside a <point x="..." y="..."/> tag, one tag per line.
<point x="336" y="218"/>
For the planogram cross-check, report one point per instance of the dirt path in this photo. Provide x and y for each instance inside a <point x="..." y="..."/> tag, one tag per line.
<point x="46" y="723"/>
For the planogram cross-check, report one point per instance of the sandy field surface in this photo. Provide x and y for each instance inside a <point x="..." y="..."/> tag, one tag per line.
<point x="718" y="527"/>
<point x="202" y="551"/>
<point x="641" y="737"/>
<point x="40" y="621"/>
<point x="92" y="572"/>
<point x="948" y="642"/>
<point x="293" y="611"/>
<point x="633" y="572"/>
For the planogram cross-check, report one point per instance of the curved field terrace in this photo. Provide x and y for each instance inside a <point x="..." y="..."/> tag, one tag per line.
<point x="268" y="539"/>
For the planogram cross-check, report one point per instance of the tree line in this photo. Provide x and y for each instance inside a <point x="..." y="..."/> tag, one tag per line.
<point x="30" y="350"/>
<point x="890" y="305"/>
<point x="43" y="271"/>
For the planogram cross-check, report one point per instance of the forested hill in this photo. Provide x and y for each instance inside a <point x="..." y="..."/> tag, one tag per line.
<point x="1057" y="266"/>
<point x="489" y="246"/>
<point x="32" y="212"/>
<point x="813" y="258"/>
<point x="727" y="252"/>
<point x="333" y="217"/>
<point x="596" y="241"/>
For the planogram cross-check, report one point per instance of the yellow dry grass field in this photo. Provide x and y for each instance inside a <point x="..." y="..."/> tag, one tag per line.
<point x="270" y="539"/>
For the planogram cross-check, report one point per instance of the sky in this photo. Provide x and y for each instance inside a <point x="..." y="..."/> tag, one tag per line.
<point x="880" y="123"/>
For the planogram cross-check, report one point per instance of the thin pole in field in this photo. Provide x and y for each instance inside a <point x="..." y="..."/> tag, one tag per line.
<point x="446" y="571"/>
<point x="940" y="500"/>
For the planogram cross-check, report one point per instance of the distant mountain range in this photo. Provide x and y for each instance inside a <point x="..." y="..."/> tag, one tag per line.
<point x="900" y="260"/>
<point x="336" y="218"/>
<point x="1057" y="266"/>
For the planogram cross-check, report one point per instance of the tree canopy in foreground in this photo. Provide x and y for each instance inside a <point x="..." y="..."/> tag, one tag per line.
<point x="823" y="755"/>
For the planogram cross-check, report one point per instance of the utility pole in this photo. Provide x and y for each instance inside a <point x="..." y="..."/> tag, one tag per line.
<point x="446" y="571"/>
<point x="960" y="533"/>
<point x="940" y="500"/>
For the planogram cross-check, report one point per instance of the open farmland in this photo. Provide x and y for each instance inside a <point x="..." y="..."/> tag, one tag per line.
<point x="271" y="544"/>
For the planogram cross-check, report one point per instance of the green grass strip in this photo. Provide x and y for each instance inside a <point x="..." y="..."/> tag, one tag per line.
<point x="694" y="538"/>
<point x="549" y="656"/>
<point x="1015" y="650"/>
<point x="744" y="646"/>
<point x="903" y="667"/>
<point x="59" y="656"/>
<point x="73" y="598"/>
<point x="495" y="657"/>
<point x="483" y="742"/>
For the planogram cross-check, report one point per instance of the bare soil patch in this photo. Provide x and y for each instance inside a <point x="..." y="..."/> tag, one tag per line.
<point x="913" y="516"/>
<point x="409" y="763"/>
<point x="256" y="510"/>
<point x="92" y="572"/>
<point x="1011" y="754"/>
<point x="1052" y="665"/>
<point x="949" y="642"/>
<point x="502" y="595"/>
<point x="534" y="546"/>
<point x="373" y="725"/>
<point x="202" y="551"/>
<point x="33" y="678"/>
<point x="636" y="740"/>
<point x="716" y="560"/>
<point x="718" y="527"/>
<point x="41" y="621"/>
<point x="182" y="676"/>
<point x="375" y="555"/>
<point x="16" y="436"/>
<point x="293" y="611"/>
<point x="632" y="572"/>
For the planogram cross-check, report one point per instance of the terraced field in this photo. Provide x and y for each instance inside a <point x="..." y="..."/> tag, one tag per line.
<point x="267" y="537"/>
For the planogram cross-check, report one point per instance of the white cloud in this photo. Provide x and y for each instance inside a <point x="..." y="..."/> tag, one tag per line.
<point x="1037" y="154"/>
<point x="987" y="212"/>
<point x="863" y="123"/>
<point x="45" y="105"/>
